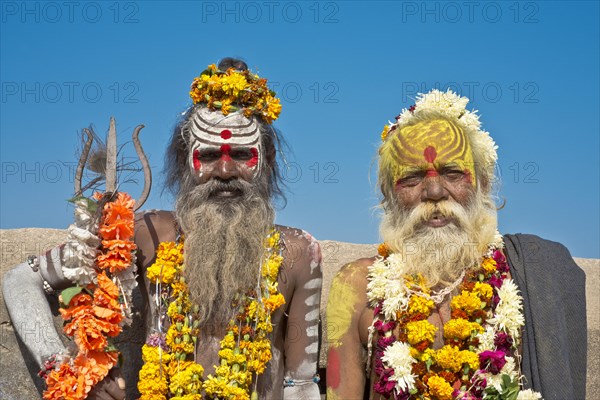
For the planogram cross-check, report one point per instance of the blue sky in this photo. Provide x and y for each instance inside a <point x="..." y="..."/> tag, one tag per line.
<point x="342" y="69"/>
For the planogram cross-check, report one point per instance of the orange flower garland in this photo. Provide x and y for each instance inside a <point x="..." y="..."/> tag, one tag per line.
<point x="94" y="313"/>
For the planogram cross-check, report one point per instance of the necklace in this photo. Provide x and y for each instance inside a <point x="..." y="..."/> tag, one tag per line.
<point x="480" y="339"/>
<point x="170" y="369"/>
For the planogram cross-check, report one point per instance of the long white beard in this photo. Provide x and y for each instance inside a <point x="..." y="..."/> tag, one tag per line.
<point x="223" y="247"/>
<point x="441" y="254"/>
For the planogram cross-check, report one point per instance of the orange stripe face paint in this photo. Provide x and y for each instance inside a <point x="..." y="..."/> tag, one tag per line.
<point x="429" y="146"/>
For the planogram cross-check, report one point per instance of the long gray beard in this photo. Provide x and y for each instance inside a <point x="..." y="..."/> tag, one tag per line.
<point x="223" y="245"/>
<point x="441" y="254"/>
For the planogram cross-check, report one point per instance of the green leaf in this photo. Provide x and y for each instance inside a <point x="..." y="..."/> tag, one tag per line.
<point x="91" y="204"/>
<point x="111" y="347"/>
<point x="68" y="294"/>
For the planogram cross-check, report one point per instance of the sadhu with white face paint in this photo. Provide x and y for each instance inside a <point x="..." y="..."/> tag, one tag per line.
<point x="450" y="309"/>
<point x="232" y="300"/>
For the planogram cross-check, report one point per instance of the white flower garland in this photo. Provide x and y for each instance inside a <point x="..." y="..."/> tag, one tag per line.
<point x="386" y="286"/>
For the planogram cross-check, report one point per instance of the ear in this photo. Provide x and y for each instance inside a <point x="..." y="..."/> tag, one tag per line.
<point x="484" y="183"/>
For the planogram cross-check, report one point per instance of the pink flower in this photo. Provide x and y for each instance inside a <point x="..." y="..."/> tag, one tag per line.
<point x="492" y="361"/>
<point x="503" y="341"/>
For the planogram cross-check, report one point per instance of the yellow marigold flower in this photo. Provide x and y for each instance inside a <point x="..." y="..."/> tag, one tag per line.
<point x="384" y="133"/>
<point x="273" y="108"/>
<point x="439" y="388"/>
<point x="163" y="272"/>
<point x="226" y="106"/>
<point x="414" y="353"/>
<point x="483" y="290"/>
<point x="179" y="288"/>
<point x="180" y="340"/>
<point x="470" y="358"/>
<point x="459" y="328"/>
<point x="466" y="301"/>
<point x="489" y="265"/>
<point x="448" y="358"/>
<point x="417" y="281"/>
<point x="223" y="370"/>
<point x="172" y="311"/>
<point x="215" y="386"/>
<point x="153" y="354"/>
<point x="418" y="304"/>
<point x="228" y="341"/>
<point x="273" y="240"/>
<point x="252" y="308"/>
<point x="419" y="331"/>
<point x="177" y="366"/>
<point x="274" y="302"/>
<point x="233" y="84"/>
<point x="427" y="354"/>
<point x="271" y="267"/>
<point x="226" y="354"/>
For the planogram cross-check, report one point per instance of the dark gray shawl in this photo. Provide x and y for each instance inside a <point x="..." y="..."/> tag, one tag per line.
<point x="555" y="333"/>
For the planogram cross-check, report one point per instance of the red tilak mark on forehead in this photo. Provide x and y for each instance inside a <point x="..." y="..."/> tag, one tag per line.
<point x="430" y="154"/>
<point x="196" y="160"/>
<point x="225" y="149"/>
<point x="226" y="134"/>
<point x="431" y="172"/>
<point x="254" y="160"/>
<point x="333" y="368"/>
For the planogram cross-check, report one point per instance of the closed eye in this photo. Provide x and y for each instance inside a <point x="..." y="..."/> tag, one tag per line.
<point x="453" y="174"/>
<point x="412" y="179"/>
<point x="242" y="154"/>
<point x="209" y="155"/>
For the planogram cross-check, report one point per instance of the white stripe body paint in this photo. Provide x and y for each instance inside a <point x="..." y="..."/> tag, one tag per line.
<point x="312" y="348"/>
<point x="313" y="300"/>
<point x="207" y="131"/>
<point x="313" y="284"/>
<point x="312" y="315"/>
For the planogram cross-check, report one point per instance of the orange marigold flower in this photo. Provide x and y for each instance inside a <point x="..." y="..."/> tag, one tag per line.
<point x="118" y="229"/>
<point x="383" y="250"/>
<point x="448" y="376"/>
<point x="65" y="383"/>
<point x="96" y="364"/>
<point x="114" y="260"/>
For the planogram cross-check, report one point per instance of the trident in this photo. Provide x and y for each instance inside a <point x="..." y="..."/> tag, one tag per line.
<point x="111" y="162"/>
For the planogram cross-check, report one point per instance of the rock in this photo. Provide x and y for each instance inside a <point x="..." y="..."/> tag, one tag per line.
<point x="18" y="368"/>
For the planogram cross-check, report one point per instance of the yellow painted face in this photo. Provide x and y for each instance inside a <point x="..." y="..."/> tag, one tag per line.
<point x="428" y="146"/>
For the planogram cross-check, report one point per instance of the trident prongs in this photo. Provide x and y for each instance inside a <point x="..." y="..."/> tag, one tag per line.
<point x="146" y="167"/>
<point x="111" y="157"/>
<point x="82" y="161"/>
<point x="111" y="162"/>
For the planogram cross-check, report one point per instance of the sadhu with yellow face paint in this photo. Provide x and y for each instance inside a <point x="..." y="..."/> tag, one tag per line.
<point x="449" y="308"/>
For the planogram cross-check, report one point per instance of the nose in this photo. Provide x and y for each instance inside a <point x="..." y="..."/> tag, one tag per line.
<point x="434" y="189"/>
<point x="226" y="168"/>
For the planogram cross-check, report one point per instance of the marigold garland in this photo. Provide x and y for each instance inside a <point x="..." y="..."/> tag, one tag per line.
<point x="234" y="90"/>
<point x="95" y="312"/>
<point x="170" y="370"/>
<point x="481" y="338"/>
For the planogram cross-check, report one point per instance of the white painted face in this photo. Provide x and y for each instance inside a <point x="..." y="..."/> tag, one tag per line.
<point x="231" y="138"/>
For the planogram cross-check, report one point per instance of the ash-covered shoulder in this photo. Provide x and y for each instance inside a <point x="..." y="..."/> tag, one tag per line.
<point x="301" y="248"/>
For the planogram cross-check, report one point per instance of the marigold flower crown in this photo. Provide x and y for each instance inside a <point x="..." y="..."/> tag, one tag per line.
<point x="233" y="90"/>
<point x="453" y="107"/>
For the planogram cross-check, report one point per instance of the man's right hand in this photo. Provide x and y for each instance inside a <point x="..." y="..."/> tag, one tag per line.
<point x="110" y="388"/>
